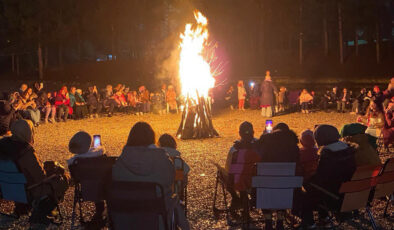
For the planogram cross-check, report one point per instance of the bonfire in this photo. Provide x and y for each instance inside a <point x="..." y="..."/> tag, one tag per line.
<point x="196" y="78"/>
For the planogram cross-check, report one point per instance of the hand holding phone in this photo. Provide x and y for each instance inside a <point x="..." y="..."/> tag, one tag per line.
<point x="268" y="126"/>
<point x="96" y="141"/>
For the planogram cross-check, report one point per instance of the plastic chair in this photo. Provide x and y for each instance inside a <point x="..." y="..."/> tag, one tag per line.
<point x="90" y="176"/>
<point x="138" y="205"/>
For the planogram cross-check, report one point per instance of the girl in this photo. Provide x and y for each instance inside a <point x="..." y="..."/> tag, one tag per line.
<point x="241" y="95"/>
<point x="305" y="99"/>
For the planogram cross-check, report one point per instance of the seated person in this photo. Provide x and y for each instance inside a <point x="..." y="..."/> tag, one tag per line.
<point x="365" y="154"/>
<point x="142" y="161"/>
<point x="248" y="143"/>
<point x="374" y="120"/>
<point x="336" y="165"/>
<point x="7" y="116"/>
<point x="81" y="145"/>
<point x="168" y="143"/>
<point x="308" y="158"/>
<point x="305" y="100"/>
<point x="279" y="146"/>
<point x="388" y="129"/>
<point x="19" y="148"/>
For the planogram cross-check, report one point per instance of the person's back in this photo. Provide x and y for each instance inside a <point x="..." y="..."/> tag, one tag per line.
<point x="308" y="158"/>
<point x="337" y="162"/>
<point x="279" y="146"/>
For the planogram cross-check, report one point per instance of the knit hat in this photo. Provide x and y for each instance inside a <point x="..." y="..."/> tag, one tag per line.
<point x="326" y="134"/>
<point x="352" y="129"/>
<point x="307" y="139"/>
<point x="80" y="143"/>
<point x="23" y="130"/>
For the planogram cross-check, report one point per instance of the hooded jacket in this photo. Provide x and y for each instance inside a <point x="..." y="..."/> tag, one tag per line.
<point x="365" y="154"/>
<point x="336" y="165"/>
<point x="279" y="146"/>
<point x="177" y="163"/>
<point x="145" y="164"/>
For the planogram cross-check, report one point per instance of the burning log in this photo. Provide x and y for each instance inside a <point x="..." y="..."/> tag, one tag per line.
<point x="196" y="120"/>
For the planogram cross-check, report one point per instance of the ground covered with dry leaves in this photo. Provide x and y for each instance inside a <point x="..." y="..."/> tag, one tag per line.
<point x="52" y="144"/>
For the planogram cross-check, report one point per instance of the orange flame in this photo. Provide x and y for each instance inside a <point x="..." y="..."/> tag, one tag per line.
<point x="195" y="73"/>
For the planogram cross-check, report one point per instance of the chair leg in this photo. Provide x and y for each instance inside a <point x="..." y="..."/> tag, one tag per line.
<point x="224" y="197"/>
<point x="185" y="200"/>
<point x="371" y="218"/>
<point x="73" y="213"/>
<point x="215" y="193"/>
<point x="387" y="205"/>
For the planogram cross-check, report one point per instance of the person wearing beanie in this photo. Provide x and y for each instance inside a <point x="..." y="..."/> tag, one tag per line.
<point x="81" y="145"/>
<point x="365" y="153"/>
<point x="246" y="148"/>
<point x="308" y="158"/>
<point x="336" y="165"/>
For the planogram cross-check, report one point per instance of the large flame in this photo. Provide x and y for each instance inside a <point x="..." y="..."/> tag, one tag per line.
<point x="195" y="73"/>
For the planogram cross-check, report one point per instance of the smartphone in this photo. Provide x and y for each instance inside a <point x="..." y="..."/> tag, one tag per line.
<point x="268" y="126"/>
<point x="96" y="141"/>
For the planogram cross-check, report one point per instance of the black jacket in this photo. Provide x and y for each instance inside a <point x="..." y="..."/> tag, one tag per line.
<point x="7" y="116"/>
<point x="279" y="146"/>
<point x="336" y="165"/>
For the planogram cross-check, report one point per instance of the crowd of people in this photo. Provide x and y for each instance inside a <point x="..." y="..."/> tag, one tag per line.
<point x="324" y="157"/>
<point x="270" y="100"/>
<point x="43" y="105"/>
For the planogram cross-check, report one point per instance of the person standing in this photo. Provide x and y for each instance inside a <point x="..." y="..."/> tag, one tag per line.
<point x="241" y="96"/>
<point x="267" y="99"/>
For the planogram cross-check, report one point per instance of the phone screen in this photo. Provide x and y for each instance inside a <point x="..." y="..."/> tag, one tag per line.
<point x="96" y="141"/>
<point x="268" y="126"/>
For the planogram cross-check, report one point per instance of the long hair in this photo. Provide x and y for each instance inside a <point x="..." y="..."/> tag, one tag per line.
<point x="141" y="134"/>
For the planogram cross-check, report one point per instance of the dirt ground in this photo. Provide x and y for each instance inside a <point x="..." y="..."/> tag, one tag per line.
<point x="51" y="143"/>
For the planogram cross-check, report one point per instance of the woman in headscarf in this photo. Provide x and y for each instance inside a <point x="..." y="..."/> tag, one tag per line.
<point x="19" y="149"/>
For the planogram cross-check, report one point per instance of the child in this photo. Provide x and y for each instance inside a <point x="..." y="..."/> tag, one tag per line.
<point x="168" y="143"/>
<point x="81" y="145"/>
<point x="308" y="158"/>
<point x="282" y="99"/>
<point x="305" y="98"/>
<point x="241" y="96"/>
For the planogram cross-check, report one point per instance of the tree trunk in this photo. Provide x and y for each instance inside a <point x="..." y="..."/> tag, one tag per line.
<point x="112" y="41"/>
<point x="40" y="62"/>
<point x="340" y="32"/>
<point x="325" y="36"/>
<point x="377" y="42"/>
<point x="17" y="66"/>
<point x="46" y="57"/>
<point x="356" y="42"/>
<point x="13" y="62"/>
<point x="325" y="31"/>
<point x="301" y="35"/>
<point x="60" y="54"/>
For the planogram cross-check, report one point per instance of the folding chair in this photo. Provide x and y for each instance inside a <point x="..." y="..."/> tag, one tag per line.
<point x="238" y="178"/>
<point x="383" y="149"/>
<point x="13" y="187"/>
<point x="90" y="176"/>
<point x="385" y="184"/>
<point x="180" y="184"/>
<point x="138" y="205"/>
<point x="275" y="184"/>
<point x="356" y="192"/>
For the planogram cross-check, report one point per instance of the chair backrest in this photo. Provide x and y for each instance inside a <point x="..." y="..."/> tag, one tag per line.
<point x="275" y="183"/>
<point x="243" y="168"/>
<point x="12" y="182"/>
<point x="356" y="191"/>
<point x="385" y="180"/>
<point x="92" y="174"/>
<point x="139" y="203"/>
